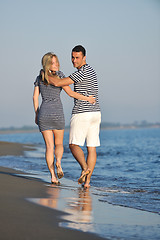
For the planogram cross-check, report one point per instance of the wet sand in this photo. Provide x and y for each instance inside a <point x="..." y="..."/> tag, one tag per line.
<point x="21" y="219"/>
<point x="14" y="149"/>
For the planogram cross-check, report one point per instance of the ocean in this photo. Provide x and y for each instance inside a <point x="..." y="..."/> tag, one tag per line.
<point x="127" y="172"/>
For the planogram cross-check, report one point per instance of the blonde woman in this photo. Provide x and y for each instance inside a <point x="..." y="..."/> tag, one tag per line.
<point x="49" y="116"/>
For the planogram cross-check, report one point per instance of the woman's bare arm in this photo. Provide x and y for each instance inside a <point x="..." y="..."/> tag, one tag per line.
<point x="36" y="102"/>
<point x="79" y="96"/>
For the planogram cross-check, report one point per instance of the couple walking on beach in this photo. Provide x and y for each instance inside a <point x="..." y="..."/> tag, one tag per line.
<point x="86" y="115"/>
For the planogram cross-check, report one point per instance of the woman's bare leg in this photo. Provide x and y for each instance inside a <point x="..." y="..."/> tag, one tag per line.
<point x="58" y="141"/>
<point x="49" y="142"/>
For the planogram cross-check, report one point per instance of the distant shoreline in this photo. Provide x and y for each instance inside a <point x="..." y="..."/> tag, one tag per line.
<point x="14" y="149"/>
<point x="104" y="126"/>
<point x="16" y="130"/>
<point x="129" y="127"/>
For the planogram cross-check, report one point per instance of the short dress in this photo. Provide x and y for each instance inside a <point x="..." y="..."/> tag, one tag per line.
<point x="51" y="115"/>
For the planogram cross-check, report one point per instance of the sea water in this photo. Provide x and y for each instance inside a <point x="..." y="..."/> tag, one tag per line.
<point x="127" y="172"/>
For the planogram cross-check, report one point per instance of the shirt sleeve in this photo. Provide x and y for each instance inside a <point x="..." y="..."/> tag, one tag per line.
<point x="77" y="76"/>
<point x="36" y="83"/>
<point x="61" y="74"/>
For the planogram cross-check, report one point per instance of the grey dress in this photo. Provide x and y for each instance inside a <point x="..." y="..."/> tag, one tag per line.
<point x="51" y="114"/>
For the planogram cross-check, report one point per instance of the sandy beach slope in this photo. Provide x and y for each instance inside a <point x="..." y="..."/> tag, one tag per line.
<point x="14" y="149"/>
<point x="21" y="219"/>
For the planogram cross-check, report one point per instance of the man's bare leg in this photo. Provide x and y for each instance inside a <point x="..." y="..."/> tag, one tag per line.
<point x="78" y="154"/>
<point x="91" y="162"/>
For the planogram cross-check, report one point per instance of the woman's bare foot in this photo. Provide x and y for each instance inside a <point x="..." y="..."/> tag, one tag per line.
<point x="56" y="183"/>
<point x="60" y="173"/>
<point x="54" y="180"/>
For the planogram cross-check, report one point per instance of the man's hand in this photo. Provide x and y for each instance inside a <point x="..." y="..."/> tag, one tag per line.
<point x="58" y="82"/>
<point x="54" y="80"/>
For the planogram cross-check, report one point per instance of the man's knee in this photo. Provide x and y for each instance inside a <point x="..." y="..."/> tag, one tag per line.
<point x="91" y="149"/>
<point x="72" y="146"/>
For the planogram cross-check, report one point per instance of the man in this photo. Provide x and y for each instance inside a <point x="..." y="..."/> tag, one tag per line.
<point x="86" y="117"/>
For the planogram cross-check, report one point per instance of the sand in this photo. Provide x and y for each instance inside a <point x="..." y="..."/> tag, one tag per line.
<point x="21" y="219"/>
<point x="14" y="149"/>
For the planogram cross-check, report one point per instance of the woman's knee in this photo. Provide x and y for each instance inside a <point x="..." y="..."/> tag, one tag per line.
<point x="58" y="137"/>
<point x="58" y="145"/>
<point x="50" y="146"/>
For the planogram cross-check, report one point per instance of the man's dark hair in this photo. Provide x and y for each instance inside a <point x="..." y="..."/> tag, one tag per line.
<point x="79" y="48"/>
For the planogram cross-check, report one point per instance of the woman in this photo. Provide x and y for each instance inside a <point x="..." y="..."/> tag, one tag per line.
<point x="50" y="116"/>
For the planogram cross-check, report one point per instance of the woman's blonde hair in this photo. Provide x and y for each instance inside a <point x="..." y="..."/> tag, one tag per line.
<point x="46" y="63"/>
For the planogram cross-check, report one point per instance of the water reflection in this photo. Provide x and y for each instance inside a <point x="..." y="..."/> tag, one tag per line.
<point x="52" y="201"/>
<point x="76" y="203"/>
<point x="88" y="214"/>
<point x="80" y="210"/>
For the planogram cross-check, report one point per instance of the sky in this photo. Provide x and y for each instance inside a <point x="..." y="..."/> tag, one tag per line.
<point x="122" y="39"/>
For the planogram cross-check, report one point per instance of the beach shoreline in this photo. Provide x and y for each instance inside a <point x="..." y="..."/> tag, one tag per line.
<point x="22" y="219"/>
<point x="32" y="208"/>
<point x="14" y="149"/>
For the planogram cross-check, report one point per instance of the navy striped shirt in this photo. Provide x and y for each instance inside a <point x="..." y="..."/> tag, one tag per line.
<point x="85" y="83"/>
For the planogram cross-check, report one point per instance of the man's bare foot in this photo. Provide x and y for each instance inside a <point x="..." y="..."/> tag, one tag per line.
<point x="86" y="185"/>
<point x="83" y="176"/>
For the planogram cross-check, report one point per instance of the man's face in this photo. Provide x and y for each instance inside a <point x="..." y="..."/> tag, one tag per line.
<point x="78" y="59"/>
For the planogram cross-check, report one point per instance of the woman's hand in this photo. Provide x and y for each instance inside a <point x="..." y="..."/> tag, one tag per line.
<point x="36" y="119"/>
<point x="36" y="116"/>
<point x="91" y="99"/>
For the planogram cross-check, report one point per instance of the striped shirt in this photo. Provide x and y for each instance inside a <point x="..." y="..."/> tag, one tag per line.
<point x="85" y="83"/>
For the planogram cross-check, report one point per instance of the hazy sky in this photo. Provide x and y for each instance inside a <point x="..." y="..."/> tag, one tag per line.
<point x="122" y="39"/>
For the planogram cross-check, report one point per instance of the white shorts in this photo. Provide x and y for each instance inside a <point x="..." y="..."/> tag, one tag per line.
<point x="85" y="127"/>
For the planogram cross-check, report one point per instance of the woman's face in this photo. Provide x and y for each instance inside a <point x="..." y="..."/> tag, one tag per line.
<point x="54" y="65"/>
